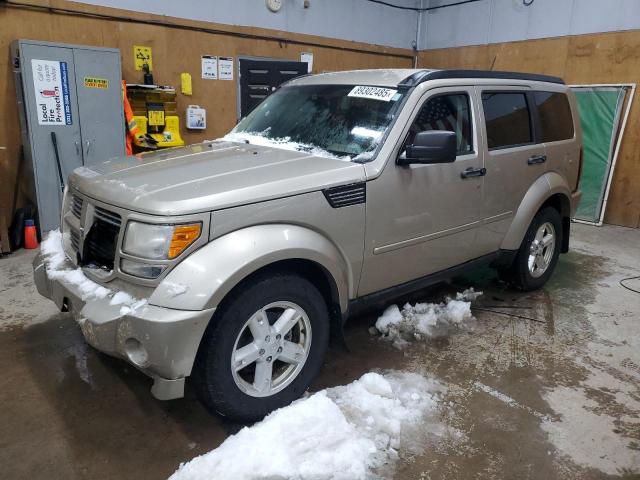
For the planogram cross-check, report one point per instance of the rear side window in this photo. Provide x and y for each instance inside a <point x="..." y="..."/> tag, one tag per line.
<point x="554" y="112"/>
<point x="507" y="119"/>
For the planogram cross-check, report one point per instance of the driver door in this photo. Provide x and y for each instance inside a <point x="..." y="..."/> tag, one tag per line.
<point x="423" y="218"/>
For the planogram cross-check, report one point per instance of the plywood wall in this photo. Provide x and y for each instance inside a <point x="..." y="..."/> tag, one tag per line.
<point x="175" y="50"/>
<point x="584" y="59"/>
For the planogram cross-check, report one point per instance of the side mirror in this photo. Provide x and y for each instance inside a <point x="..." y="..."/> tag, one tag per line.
<point x="431" y="146"/>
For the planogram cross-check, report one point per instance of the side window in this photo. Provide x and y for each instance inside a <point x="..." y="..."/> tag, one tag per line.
<point x="446" y="112"/>
<point x="507" y="118"/>
<point x="554" y="112"/>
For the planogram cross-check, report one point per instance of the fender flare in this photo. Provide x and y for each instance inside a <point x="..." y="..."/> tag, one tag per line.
<point x="211" y="272"/>
<point x="541" y="190"/>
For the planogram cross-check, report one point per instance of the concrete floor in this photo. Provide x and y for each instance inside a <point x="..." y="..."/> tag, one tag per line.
<point x="555" y="395"/>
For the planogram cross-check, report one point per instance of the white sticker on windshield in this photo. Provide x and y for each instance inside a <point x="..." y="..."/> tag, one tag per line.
<point x="374" y="93"/>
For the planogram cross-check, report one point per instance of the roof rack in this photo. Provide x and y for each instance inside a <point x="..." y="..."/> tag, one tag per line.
<point x="419" y="77"/>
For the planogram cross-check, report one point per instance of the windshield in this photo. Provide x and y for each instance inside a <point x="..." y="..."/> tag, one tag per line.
<point x="343" y="121"/>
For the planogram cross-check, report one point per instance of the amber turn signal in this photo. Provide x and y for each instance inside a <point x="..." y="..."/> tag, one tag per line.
<point x="183" y="236"/>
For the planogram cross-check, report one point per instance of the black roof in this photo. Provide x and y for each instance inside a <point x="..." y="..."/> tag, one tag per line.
<point x="425" y="75"/>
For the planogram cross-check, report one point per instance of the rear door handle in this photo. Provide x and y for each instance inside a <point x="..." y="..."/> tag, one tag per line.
<point x="537" y="159"/>
<point x="473" y="172"/>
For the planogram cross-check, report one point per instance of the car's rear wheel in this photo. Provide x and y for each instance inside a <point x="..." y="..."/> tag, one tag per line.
<point x="263" y="347"/>
<point x="538" y="255"/>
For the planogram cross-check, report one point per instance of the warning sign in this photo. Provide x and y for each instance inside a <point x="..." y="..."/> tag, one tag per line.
<point x="142" y="55"/>
<point x="94" y="82"/>
<point x="51" y="85"/>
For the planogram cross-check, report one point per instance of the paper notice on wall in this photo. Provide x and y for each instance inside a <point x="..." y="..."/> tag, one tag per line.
<point x="51" y="85"/>
<point x="307" y="57"/>
<point x="209" y="67"/>
<point x="225" y="68"/>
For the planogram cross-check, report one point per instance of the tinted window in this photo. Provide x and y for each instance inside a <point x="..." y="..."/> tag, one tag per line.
<point x="556" y="122"/>
<point x="507" y="118"/>
<point x="446" y="112"/>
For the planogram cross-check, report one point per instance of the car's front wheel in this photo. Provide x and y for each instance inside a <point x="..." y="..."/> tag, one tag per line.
<point x="263" y="347"/>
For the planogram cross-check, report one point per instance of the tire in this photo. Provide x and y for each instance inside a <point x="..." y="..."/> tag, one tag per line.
<point x="234" y="393"/>
<point x="520" y="274"/>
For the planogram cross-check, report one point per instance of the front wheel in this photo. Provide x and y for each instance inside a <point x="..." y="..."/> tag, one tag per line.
<point x="263" y="348"/>
<point x="538" y="254"/>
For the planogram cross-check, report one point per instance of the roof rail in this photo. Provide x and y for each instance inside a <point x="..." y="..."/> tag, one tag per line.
<point x="425" y="75"/>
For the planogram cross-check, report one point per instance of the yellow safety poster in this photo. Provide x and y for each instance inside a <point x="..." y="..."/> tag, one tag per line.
<point x="142" y="55"/>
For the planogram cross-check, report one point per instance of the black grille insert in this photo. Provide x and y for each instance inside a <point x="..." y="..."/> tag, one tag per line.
<point x="76" y="205"/>
<point x="346" y="195"/>
<point x="102" y="239"/>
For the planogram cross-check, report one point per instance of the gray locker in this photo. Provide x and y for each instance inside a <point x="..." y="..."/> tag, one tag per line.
<point x="74" y="91"/>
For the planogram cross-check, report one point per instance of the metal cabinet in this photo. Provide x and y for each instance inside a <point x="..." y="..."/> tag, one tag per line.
<point x="74" y="91"/>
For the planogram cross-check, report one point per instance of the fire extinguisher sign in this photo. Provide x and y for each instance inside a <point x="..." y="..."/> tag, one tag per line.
<point x="51" y="85"/>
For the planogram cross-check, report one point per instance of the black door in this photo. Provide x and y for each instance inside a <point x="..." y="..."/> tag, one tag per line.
<point x="258" y="78"/>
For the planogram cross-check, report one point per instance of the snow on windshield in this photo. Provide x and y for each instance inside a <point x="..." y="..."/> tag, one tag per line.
<point x="284" y="143"/>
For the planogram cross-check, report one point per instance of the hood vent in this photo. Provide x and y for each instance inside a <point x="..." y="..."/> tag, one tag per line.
<point x="346" y="195"/>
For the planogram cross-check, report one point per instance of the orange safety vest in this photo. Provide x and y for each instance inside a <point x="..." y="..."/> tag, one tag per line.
<point x="132" y="128"/>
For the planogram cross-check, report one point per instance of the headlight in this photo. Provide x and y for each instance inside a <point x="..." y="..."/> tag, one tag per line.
<point x="159" y="242"/>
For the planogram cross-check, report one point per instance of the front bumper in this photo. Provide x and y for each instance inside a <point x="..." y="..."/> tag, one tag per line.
<point x="161" y="342"/>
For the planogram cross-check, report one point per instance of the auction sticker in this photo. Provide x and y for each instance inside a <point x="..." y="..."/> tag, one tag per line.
<point x="51" y="85"/>
<point x="373" y="93"/>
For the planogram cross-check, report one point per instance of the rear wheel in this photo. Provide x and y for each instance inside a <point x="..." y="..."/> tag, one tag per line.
<point x="538" y="255"/>
<point x="263" y="347"/>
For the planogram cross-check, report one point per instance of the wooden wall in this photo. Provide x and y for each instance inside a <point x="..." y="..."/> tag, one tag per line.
<point x="585" y="59"/>
<point x="175" y="50"/>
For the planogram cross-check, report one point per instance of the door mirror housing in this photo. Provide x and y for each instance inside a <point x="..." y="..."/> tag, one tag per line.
<point x="431" y="146"/>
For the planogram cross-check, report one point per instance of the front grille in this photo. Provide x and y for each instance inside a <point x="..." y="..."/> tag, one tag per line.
<point x="346" y="195"/>
<point x="101" y="241"/>
<point x="108" y="217"/>
<point x="76" y="205"/>
<point x="75" y="240"/>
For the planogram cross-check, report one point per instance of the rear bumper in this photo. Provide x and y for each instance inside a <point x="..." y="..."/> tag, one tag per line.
<point x="161" y="342"/>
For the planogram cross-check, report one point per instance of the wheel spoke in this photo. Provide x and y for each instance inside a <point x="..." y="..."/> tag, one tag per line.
<point x="291" y="353"/>
<point x="262" y="378"/>
<point x="245" y="356"/>
<point x="532" y="262"/>
<point x="547" y="240"/>
<point x="259" y="325"/>
<point x="286" y="321"/>
<point x="540" y="234"/>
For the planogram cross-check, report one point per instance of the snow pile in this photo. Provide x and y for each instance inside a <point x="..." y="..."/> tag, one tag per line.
<point x="55" y="262"/>
<point x="344" y="433"/>
<point x="425" y="320"/>
<point x="284" y="143"/>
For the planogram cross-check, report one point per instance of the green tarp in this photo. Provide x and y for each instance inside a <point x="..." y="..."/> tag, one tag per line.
<point x="600" y="109"/>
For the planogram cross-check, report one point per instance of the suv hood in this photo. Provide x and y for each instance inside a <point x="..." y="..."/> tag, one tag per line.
<point x="209" y="176"/>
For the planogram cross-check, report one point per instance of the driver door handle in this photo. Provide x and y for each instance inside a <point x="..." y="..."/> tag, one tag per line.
<point x="537" y="159"/>
<point x="473" y="172"/>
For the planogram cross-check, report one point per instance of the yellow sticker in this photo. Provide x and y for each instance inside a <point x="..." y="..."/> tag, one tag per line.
<point x="156" y="117"/>
<point x="185" y="80"/>
<point x="142" y="55"/>
<point x="94" y="82"/>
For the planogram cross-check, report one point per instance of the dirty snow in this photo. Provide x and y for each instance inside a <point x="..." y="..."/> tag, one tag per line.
<point x="284" y="143"/>
<point x="349" y="432"/>
<point x="425" y="320"/>
<point x="55" y="262"/>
